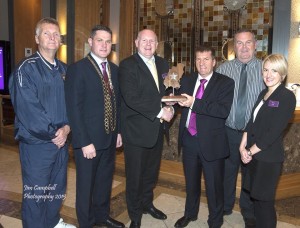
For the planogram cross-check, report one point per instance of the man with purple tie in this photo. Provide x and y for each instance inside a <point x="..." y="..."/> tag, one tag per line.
<point x="202" y="136"/>
<point x="93" y="98"/>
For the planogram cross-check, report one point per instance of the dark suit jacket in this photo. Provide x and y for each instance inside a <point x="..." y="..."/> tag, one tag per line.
<point x="141" y="100"/>
<point x="270" y="122"/>
<point x="85" y="104"/>
<point x="212" y="110"/>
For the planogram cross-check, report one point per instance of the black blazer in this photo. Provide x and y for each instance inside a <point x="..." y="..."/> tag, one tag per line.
<point x="270" y="122"/>
<point x="212" y="110"/>
<point x="85" y="104"/>
<point x="141" y="100"/>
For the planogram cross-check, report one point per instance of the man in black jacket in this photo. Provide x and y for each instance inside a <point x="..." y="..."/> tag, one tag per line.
<point x="141" y="84"/>
<point x="92" y="98"/>
<point x="203" y="137"/>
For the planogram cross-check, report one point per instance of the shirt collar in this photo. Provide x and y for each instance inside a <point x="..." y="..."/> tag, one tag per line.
<point x="249" y="64"/>
<point x="49" y="65"/>
<point x="146" y="59"/>
<point x="97" y="59"/>
<point x="207" y="78"/>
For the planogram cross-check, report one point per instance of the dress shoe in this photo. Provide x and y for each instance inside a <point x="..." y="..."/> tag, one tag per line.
<point x="250" y="222"/>
<point x="134" y="224"/>
<point x="184" y="221"/>
<point x="155" y="213"/>
<point x="110" y="222"/>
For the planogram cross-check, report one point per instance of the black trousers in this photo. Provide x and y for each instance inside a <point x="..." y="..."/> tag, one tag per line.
<point x="142" y="169"/>
<point x="93" y="186"/>
<point x="194" y="163"/>
<point x="265" y="214"/>
<point x="232" y="165"/>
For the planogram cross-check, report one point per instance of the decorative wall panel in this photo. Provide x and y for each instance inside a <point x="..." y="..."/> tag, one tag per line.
<point x="208" y="24"/>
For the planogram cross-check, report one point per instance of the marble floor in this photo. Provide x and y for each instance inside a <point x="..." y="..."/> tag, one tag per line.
<point x="169" y="197"/>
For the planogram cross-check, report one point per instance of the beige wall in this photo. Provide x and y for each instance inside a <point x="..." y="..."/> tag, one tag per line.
<point x="26" y="15"/>
<point x="294" y="47"/>
<point x="87" y="15"/>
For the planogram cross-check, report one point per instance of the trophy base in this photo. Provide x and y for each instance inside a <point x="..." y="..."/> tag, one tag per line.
<point x="173" y="98"/>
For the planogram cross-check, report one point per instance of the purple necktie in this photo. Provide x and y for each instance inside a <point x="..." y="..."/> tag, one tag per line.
<point x="104" y="73"/>
<point x="192" y="124"/>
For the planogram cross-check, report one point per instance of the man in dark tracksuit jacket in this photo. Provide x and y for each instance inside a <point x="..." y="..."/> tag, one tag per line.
<point x="41" y="127"/>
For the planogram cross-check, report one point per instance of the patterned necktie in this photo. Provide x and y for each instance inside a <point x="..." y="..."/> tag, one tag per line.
<point x="240" y="112"/>
<point x="104" y="73"/>
<point x="153" y="72"/>
<point x="103" y="68"/>
<point x="192" y="124"/>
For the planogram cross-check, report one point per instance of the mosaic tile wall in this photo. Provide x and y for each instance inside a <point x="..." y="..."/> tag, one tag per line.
<point x="176" y="28"/>
<point x="257" y="16"/>
<point x="214" y="22"/>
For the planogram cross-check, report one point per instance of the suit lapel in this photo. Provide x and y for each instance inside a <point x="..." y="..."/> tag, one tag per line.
<point x="92" y="64"/>
<point x="273" y="97"/>
<point x="143" y="66"/>
<point x="112" y="71"/>
<point x="112" y="74"/>
<point x="210" y="85"/>
<point x="192" y="84"/>
<point x="159" y="68"/>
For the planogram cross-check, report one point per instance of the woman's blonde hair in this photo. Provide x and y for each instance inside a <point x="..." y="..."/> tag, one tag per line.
<point x="278" y="63"/>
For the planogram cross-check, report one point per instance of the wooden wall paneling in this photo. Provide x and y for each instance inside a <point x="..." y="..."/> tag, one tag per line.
<point x="127" y="30"/>
<point x="26" y="15"/>
<point x="87" y="15"/>
<point x="104" y="20"/>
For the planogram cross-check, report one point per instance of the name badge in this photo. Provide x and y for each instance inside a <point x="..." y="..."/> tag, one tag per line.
<point x="164" y="75"/>
<point x="273" y="104"/>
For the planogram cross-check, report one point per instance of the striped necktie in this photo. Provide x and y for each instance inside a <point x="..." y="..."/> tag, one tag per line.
<point x="240" y="112"/>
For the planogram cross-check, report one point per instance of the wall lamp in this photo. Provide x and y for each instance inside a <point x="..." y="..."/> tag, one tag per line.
<point x="63" y="39"/>
<point x="114" y="47"/>
<point x="299" y="29"/>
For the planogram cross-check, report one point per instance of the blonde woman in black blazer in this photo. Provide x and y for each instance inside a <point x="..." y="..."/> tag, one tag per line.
<point x="262" y="145"/>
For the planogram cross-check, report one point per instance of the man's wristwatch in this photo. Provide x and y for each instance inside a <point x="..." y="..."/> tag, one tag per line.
<point x="249" y="152"/>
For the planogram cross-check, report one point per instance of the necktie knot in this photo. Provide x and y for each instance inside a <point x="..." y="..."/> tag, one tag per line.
<point x="151" y="62"/>
<point x="104" y="73"/>
<point x="203" y="81"/>
<point x="103" y="65"/>
<point x="200" y="90"/>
